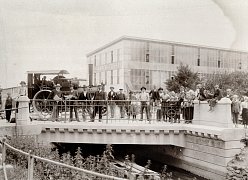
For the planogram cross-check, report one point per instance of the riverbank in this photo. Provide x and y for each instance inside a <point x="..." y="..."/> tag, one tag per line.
<point x="238" y="167"/>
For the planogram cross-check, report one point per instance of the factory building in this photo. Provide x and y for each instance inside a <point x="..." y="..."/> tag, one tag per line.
<point x="131" y="63"/>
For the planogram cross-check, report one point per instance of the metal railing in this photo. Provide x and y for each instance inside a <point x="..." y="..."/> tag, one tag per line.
<point x="68" y="110"/>
<point x="32" y="157"/>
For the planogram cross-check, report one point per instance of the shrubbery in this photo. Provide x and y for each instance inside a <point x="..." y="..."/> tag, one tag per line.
<point x="43" y="171"/>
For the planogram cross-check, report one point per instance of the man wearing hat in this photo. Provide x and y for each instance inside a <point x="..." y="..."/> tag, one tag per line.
<point x="111" y="97"/>
<point x="99" y="101"/>
<point x="73" y="95"/>
<point x="56" y="95"/>
<point x="121" y="102"/>
<point x="22" y="92"/>
<point x="85" y="99"/>
<point x="8" y="106"/>
<point x="144" y="98"/>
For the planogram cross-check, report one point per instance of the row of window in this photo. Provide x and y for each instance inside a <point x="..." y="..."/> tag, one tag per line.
<point x="106" y="57"/>
<point x="198" y="61"/>
<point x="107" y="77"/>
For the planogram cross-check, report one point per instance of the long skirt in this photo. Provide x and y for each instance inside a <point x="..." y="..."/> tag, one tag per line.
<point x="245" y="116"/>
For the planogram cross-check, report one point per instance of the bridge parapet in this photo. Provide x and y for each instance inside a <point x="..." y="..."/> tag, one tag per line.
<point x="219" y="117"/>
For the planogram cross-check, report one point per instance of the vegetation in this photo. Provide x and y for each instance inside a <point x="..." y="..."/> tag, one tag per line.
<point x="184" y="77"/>
<point x="237" y="81"/>
<point x="100" y="163"/>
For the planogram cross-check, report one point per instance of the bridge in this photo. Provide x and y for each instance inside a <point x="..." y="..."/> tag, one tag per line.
<point x="203" y="147"/>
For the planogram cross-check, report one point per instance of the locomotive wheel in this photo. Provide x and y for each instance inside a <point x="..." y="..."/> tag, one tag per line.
<point x="40" y="104"/>
<point x="171" y="113"/>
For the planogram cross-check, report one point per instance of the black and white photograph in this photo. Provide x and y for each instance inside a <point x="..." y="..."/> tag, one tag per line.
<point x="123" y="90"/>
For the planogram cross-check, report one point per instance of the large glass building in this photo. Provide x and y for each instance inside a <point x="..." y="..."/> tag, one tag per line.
<point x="131" y="63"/>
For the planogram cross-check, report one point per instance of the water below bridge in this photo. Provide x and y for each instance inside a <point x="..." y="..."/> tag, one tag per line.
<point x="120" y="151"/>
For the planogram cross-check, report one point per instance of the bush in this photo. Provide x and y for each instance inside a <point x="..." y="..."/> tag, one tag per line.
<point x="42" y="171"/>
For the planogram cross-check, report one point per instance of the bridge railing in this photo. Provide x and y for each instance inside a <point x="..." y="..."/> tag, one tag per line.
<point x="111" y="110"/>
<point x="32" y="157"/>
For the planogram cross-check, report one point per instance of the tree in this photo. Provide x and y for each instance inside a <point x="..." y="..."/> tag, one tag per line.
<point x="185" y="77"/>
<point x="237" y="81"/>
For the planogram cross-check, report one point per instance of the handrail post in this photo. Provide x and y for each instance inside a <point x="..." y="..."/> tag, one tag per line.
<point x="4" y="158"/>
<point x="3" y="151"/>
<point x="66" y="110"/>
<point x="107" y="105"/>
<point x="30" y="166"/>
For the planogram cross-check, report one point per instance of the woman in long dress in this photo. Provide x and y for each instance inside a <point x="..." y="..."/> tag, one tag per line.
<point x="244" y="111"/>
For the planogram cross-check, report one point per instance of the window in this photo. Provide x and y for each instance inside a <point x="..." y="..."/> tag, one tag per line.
<point x="118" y="76"/>
<point x="147" y="51"/>
<point x="172" y="59"/>
<point x="112" y="57"/>
<point x="106" y="81"/>
<point x="198" y="62"/>
<point x="218" y="63"/>
<point x="112" y="78"/>
<point x="147" y="57"/>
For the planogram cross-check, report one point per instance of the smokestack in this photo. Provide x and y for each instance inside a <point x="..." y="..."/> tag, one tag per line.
<point x="90" y="74"/>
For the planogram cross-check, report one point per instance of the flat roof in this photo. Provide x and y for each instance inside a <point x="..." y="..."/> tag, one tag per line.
<point x="49" y="72"/>
<point x="159" y="41"/>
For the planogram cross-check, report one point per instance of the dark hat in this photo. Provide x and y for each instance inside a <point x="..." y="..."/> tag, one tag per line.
<point x="142" y="88"/>
<point x="160" y="89"/>
<point x="121" y="89"/>
<point x="57" y="85"/>
<point x="131" y="92"/>
<point x="111" y="87"/>
<point x="22" y="82"/>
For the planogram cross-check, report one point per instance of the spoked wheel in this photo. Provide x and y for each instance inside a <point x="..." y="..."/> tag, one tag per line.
<point x="171" y="113"/>
<point x="40" y="103"/>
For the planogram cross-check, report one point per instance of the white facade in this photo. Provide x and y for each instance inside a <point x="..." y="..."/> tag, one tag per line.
<point x="131" y="63"/>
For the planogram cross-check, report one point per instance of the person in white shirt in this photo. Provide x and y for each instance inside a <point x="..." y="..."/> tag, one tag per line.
<point x="144" y="98"/>
<point x="22" y="92"/>
<point x="111" y="101"/>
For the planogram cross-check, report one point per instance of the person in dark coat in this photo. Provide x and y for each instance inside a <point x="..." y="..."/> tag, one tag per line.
<point x="244" y="111"/>
<point x="216" y="97"/>
<point x="154" y="94"/>
<point x="73" y="95"/>
<point x="57" y="96"/>
<point x="85" y="99"/>
<point x="99" y="102"/>
<point x="8" y="107"/>
<point x="200" y="93"/>
<point x="111" y="101"/>
<point x="121" y="102"/>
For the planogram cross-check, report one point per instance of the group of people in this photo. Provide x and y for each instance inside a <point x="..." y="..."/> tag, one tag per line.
<point x="239" y="105"/>
<point x="158" y="102"/>
<point x="9" y="101"/>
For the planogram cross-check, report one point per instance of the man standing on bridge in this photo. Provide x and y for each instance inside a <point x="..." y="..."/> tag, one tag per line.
<point x="73" y="95"/>
<point x="111" y="97"/>
<point x="144" y="98"/>
<point x="99" y="101"/>
<point x="56" y="95"/>
<point x="85" y="99"/>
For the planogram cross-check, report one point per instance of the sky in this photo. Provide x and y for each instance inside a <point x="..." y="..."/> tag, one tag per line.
<point x="57" y="34"/>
